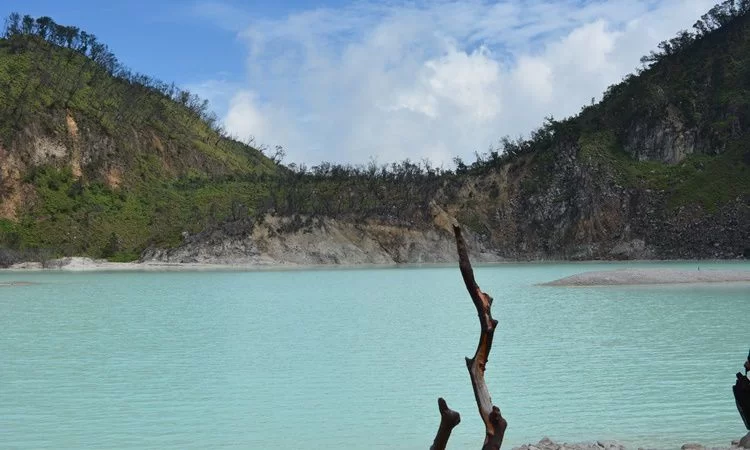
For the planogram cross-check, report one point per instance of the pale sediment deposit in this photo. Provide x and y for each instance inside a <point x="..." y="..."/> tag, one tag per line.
<point x="14" y="283"/>
<point x="316" y="241"/>
<point x="74" y="264"/>
<point x="651" y="276"/>
<point x="83" y="264"/>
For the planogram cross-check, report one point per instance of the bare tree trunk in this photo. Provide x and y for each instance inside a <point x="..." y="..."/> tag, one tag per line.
<point x="494" y="423"/>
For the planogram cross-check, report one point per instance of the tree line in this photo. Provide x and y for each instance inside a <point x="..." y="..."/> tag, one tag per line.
<point x="717" y="17"/>
<point x="505" y="150"/>
<point x="73" y="38"/>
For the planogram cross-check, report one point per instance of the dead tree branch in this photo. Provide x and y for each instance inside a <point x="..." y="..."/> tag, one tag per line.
<point x="494" y="422"/>
<point x="448" y="420"/>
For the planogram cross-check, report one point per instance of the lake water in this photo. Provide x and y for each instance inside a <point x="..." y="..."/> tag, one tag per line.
<point x="342" y="359"/>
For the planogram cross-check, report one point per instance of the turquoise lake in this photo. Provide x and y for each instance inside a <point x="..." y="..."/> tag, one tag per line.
<point x="342" y="359"/>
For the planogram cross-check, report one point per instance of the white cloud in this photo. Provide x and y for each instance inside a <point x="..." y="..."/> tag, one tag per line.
<point x="219" y="92"/>
<point x="533" y="75"/>
<point x="435" y="79"/>
<point x="245" y="119"/>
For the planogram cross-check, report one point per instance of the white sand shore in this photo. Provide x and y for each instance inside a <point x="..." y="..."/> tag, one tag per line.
<point x="82" y="264"/>
<point x="651" y="276"/>
<point x="613" y="277"/>
<point x="14" y="283"/>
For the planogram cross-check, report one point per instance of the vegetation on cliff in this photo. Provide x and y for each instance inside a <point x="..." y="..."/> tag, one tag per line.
<point x="679" y="125"/>
<point x="673" y="137"/>
<point x="99" y="161"/>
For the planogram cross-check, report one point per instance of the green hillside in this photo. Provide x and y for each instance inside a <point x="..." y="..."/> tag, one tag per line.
<point x="679" y="126"/>
<point x="663" y="158"/>
<point x="98" y="161"/>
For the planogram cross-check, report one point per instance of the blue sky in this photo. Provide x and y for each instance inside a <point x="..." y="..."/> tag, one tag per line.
<point x="351" y="81"/>
<point x="161" y="38"/>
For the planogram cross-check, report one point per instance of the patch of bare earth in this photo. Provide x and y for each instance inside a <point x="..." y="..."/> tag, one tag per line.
<point x="113" y="177"/>
<point x="75" y="157"/>
<point x="11" y="188"/>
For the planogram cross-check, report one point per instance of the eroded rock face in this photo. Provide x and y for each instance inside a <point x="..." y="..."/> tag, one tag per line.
<point x="301" y="240"/>
<point x="575" y="212"/>
<point x="572" y="208"/>
<point x="567" y="208"/>
<point x="668" y="140"/>
<point x="665" y="142"/>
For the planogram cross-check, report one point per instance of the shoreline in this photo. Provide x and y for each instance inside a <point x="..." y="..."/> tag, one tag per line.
<point x="548" y="444"/>
<point x="623" y="276"/>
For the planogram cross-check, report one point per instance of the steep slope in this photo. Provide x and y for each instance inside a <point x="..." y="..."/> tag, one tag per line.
<point x="660" y="168"/>
<point x="98" y="161"/>
<point x="104" y="165"/>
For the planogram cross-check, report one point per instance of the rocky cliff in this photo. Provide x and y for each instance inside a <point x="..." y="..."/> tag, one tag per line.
<point x="305" y="240"/>
<point x="570" y="203"/>
<point x="587" y="208"/>
<point x="96" y="161"/>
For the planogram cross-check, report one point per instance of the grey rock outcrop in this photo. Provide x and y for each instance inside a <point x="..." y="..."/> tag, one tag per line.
<point x="583" y="211"/>
<point x="666" y="140"/>
<point x="547" y="444"/>
<point x="566" y="208"/>
<point x="300" y="240"/>
<point x="745" y="441"/>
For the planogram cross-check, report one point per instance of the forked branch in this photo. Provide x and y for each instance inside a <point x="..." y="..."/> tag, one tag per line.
<point x="494" y="423"/>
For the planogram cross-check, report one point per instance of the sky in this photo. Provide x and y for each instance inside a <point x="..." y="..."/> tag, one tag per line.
<point x="359" y="81"/>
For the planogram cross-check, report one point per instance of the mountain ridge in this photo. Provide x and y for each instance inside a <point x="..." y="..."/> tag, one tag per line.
<point x="659" y="168"/>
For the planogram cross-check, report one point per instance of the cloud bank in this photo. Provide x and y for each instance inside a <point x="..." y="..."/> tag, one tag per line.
<point x="395" y="80"/>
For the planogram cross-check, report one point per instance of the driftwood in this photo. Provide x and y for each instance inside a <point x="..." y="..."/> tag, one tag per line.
<point x="494" y="423"/>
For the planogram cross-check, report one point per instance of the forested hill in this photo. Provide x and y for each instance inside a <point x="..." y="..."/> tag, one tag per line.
<point x="97" y="161"/>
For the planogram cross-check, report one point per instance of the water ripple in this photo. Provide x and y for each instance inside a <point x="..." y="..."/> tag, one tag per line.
<point x="357" y="358"/>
